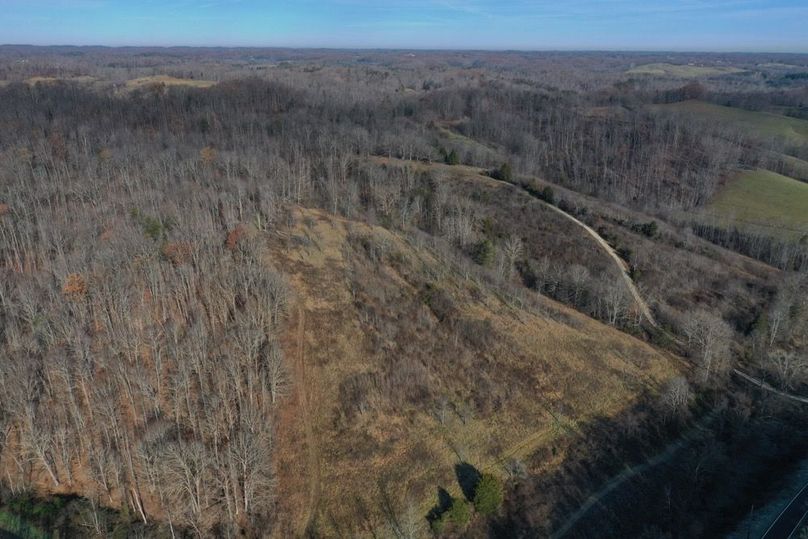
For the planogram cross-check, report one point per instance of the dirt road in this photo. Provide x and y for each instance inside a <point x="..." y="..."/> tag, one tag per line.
<point x="790" y="519"/>
<point x="619" y="262"/>
<point x="632" y="472"/>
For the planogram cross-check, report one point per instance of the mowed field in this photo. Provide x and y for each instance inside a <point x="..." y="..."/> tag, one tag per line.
<point x="765" y="200"/>
<point x="681" y="70"/>
<point x="759" y="124"/>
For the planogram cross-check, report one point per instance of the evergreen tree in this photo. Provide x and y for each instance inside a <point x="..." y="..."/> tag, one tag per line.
<point x="488" y="495"/>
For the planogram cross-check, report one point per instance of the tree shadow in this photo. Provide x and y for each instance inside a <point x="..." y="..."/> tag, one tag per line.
<point x="443" y="505"/>
<point x="467" y="477"/>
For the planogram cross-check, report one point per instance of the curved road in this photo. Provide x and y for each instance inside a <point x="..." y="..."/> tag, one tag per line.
<point x="763" y="385"/>
<point x="632" y="288"/>
<point x="629" y="282"/>
<point x="629" y="473"/>
<point x="621" y="264"/>
<point x="790" y="519"/>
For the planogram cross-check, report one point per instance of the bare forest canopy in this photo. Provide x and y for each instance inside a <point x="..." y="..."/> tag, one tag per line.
<point x="151" y="203"/>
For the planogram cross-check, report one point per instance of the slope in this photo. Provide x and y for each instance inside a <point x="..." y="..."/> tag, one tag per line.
<point x="764" y="201"/>
<point x="758" y="124"/>
<point x="408" y="369"/>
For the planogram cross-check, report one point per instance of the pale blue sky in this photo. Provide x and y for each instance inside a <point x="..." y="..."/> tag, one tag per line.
<point x="722" y="25"/>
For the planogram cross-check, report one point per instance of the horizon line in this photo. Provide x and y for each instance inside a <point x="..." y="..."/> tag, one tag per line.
<point x="403" y="48"/>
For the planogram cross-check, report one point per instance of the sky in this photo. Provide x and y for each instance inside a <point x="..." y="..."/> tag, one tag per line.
<point x="688" y="25"/>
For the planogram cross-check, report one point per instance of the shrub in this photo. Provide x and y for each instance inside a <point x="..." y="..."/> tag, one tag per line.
<point x="548" y="195"/>
<point x="439" y="302"/>
<point x="152" y="227"/>
<point x="459" y="513"/>
<point x="75" y="286"/>
<point x="240" y="236"/>
<point x="565" y="206"/>
<point x="450" y="158"/>
<point x="488" y="495"/>
<point x="438" y="524"/>
<point x="483" y="253"/>
<point x="648" y="229"/>
<point x="178" y="253"/>
<point x="208" y="155"/>
<point x="504" y="173"/>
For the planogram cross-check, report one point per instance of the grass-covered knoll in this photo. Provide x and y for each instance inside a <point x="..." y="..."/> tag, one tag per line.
<point x="765" y="200"/>
<point x="682" y="70"/>
<point x="758" y="124"/>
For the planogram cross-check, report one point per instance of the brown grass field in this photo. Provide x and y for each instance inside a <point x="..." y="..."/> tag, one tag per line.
<point x="570" y="369"/>
<point x="142" y="82"/>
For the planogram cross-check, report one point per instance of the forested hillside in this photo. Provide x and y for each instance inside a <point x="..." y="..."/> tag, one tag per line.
<point x="331" y="294"/>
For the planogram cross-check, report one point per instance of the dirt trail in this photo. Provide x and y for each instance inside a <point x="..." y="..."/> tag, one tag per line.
<point x="312" y="449"/>
<point x="632" y="288"/>
<point x="641" y="304"/>
<point x="621" y="264"/>
<point x="644" y="306"/>
<point x="766" y="387"/>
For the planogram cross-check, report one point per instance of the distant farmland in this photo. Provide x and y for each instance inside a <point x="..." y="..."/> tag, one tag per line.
<point x="681" y="71"/>
<point x="760" y="124"/>
<point x="765" y="201"/>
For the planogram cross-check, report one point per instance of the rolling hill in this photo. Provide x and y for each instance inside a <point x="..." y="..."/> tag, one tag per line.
<point x="371" y="337"/>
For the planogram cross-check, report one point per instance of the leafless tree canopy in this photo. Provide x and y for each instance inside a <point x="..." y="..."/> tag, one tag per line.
<point x="141" y="312"/>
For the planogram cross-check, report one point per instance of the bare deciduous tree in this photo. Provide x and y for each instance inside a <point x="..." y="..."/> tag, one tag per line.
<point x="709" y="338"/>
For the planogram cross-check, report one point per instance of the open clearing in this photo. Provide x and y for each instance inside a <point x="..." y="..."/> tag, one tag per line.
<point x="682" y="71"/>
<point x="760" y="124"/>
<point x="763" y="199"/>
<point x="570" y="368"/>
<point x="33" y="81"/>
<point x="141" y="82"/>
